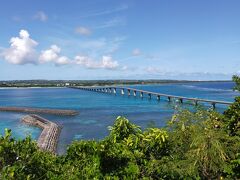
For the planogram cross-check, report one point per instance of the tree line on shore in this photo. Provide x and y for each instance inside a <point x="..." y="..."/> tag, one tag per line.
<point x="63" y="83"/>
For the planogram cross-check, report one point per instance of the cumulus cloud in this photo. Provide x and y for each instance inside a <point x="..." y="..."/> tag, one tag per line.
<point x="83" y="31"/>
<point x="86" y="62"/>
<point x="106" y="62"/>
<point x="63" y="60"/>
<point x="21" y="50"/>
<point x="53" y="55"/>
<point x="109" y="63"/>
<point x="49" y="54"/>
<point x="41" y="16"/>
<point x="136" y="52"/>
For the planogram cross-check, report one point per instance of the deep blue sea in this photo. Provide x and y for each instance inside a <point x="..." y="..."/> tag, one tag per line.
<point x="97" y="111"/>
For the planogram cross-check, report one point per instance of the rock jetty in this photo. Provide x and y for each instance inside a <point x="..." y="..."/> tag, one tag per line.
<point x="60" y="112"/>
<point x="48" y="138"/>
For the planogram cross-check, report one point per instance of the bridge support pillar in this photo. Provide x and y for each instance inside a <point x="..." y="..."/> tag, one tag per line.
<point x="114" y="91"/>
<point x="169" y="99"/>
<point x="129" y="92"/>
<point x="122" y="91"/>
<point x="134" y="93"/>
<point x="141" y="94"/>
<point x="110" y="90"/>
<point x="158" y="97"/>
<point x="180" y="100"/>
<point x="213" y="105"/>
<point x="195" y="102"/>
<point x="149" y="96"/>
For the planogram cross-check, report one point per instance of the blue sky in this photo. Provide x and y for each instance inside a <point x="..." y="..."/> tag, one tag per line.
<point x="106" y="39"/>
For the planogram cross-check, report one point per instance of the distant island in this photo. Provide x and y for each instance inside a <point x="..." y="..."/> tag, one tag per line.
<point x="63" y="83"/>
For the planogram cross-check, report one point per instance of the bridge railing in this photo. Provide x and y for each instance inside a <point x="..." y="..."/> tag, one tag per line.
<point x="127" y="90"/>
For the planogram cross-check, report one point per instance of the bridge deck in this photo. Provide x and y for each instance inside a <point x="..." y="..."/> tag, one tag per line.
<point x="213" y="102"/>
<point x="182" y="97"/>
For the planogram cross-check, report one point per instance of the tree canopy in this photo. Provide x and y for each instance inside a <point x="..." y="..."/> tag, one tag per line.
<point x="236" y="79"/>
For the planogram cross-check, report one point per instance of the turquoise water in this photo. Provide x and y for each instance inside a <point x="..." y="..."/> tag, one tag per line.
<point x="97" y="110"/>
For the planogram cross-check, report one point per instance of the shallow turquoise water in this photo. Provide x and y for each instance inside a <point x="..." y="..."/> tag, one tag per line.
<point x="98" y="110"/>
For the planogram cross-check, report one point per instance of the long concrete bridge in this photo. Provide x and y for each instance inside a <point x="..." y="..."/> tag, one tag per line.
<point x="134" y="92"/>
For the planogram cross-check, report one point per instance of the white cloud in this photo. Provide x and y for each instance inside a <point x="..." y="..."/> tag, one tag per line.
<point x="53" y="55"/>
<point x="21" y="50"/>
<point x="49" y="55"/>
<point x="41" y="16"/>
<point x="105" y="63"/>
<point x="83" y="31"/>
<point x="109" y="63"/>
<point x="63" y="60"/>
<point x="136" y="52"/>
<point x="86" y="62"/>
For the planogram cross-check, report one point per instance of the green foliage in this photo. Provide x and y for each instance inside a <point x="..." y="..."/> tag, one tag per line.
<point x="194" y="145"/>
<point x="21" y="159"/>
<point x="232" y="117"/>
<point x="122" y="129"/>
<point x="236" y="79"/>
<point x="155" y="143"/>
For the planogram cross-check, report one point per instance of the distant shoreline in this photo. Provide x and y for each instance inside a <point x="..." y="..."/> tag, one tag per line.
<point x="62" y="84"/>
<point x="30" y="87"/>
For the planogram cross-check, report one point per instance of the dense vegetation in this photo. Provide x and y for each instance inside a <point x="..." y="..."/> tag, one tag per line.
<point x="194" y="145"/>
<point x="236" y="79"/>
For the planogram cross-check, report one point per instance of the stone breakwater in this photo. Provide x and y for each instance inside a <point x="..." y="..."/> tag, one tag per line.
<point x="60" y="112"/>
<point x="48" y="138"/>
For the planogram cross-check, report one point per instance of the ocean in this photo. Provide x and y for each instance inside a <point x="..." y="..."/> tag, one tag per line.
<point x="97" y="110"/>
